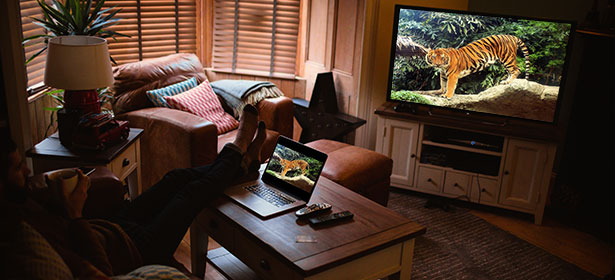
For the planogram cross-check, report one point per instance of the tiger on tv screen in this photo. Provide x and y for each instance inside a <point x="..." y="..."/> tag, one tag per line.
<point x="491" y="64"/>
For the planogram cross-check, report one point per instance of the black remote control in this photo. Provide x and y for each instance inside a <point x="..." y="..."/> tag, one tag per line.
<point x="331" y="217"/>
<point x="312" y="209"/>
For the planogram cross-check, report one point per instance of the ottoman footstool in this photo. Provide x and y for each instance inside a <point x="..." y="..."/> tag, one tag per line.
<point x="361" y="170"/>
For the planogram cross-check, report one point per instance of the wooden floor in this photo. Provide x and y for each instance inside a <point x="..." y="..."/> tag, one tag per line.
<point x="574" y="246"/>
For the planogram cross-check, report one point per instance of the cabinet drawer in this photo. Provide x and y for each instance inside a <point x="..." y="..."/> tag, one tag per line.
<point x="484" y="190"/>
<point x="261" y="261"/>
<point x="456" y="183"/>
<point x="430" y="179"/>
<point x="125" y="163"/>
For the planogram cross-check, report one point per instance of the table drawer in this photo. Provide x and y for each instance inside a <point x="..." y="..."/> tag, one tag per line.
<point x="125" y="163"/>
<point x="217" y="228"/>
<point x="265" y="264"/>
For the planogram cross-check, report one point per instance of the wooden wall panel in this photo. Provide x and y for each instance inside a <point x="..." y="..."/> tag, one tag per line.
<point x="340" y="45"/>
<point x="40" y="118"/>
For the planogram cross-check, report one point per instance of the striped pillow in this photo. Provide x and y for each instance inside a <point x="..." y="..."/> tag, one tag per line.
<point x="203" y="102"/>
<point x="156" y="96"/>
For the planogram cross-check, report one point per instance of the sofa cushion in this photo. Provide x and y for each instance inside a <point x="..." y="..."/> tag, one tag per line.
<point x="156" y="96"/>
<point x="203" y="102"/>
<point x="132" y="80"/>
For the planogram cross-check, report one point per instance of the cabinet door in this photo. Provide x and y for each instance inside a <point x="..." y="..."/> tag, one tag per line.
<point x="524" y="171"/>
<point x="397" y="140"/>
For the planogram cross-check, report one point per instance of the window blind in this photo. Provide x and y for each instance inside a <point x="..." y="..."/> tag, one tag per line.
<point x="156" y="28"/>
<point x="256" y="36"/>
<point x="35" y="69"/>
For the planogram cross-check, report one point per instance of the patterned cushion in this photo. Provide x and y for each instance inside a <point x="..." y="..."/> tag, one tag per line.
<point x="26" y="254"/>
<point x="153" y="272"/>
<point x="203" y="102"/>
<point x="156" y="96"/>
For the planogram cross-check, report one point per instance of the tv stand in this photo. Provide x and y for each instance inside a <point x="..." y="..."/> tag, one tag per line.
<point x="405" y="108"/>
<point x="488" y="123"/>
<point x="453" y="160"/>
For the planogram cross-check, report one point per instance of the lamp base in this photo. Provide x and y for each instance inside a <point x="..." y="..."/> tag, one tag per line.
<point x="77" y="103"/>
<point x="67" y="122"/>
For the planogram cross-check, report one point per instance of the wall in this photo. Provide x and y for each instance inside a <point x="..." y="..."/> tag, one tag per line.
<point x="375" y="58"/>
<point x="13" y="74"/>
<point x="332" y="42"/>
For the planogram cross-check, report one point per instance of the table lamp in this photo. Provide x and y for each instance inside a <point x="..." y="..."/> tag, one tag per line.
<point x="79" y="65"/>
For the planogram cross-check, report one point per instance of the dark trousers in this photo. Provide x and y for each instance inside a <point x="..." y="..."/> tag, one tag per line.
<point x="157" y="220"/>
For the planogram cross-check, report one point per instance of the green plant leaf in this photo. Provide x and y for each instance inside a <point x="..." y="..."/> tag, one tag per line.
<point x="36" y="54"/>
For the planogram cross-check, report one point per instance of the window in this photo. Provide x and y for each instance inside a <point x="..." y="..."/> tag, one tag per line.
<point x="35" y="69"/>
<point x="156" y="28"/>
<point x="256" y="37"/>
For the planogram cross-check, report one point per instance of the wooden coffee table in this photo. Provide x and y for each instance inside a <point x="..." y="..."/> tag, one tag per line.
<point x="378" y="242"/>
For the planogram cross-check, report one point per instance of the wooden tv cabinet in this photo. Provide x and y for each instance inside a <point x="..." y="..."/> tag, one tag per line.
<point x="475" y="162"/>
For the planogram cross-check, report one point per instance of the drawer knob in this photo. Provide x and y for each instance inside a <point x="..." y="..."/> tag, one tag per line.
<point x="125" y="162"/>
<point x="457" y="185"/>
<point x="264" y="265"/>
<point x="412" y="156"/>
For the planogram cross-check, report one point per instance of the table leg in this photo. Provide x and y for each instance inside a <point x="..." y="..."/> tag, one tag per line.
<point x="198" y="246"/>
<point x="406" y="261"/>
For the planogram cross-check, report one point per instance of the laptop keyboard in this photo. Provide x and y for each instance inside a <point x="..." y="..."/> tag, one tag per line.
<point x="276" y="198"/>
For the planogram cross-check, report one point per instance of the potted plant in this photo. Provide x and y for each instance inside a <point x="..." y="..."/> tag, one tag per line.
<point x="75" y="17"/>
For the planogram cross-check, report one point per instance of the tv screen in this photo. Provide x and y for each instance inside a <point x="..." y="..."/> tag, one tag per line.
<point x="499" y="65"/>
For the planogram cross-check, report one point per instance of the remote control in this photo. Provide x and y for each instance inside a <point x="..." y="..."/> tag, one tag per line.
<point x="331" y="217"/>
<point x="312" y="209"/>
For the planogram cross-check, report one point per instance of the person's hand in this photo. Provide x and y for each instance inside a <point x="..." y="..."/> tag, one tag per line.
<point x="70" y="203"/>
<point x="76" y="199"/>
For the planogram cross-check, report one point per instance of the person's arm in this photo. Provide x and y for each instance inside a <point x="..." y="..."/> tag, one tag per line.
<point x="88" y="245"/>
<point x="81" y="235"/>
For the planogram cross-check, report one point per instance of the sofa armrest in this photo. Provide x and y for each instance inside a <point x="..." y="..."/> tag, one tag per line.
<point x="171" y="139"/>
<point x="277" y="113"/>
<point x="106" y="194"/>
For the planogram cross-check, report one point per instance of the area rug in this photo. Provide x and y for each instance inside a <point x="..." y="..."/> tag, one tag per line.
<point x="459" y="245"/>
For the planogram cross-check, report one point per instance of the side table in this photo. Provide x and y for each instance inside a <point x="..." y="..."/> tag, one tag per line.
<point x="123" y="159"/>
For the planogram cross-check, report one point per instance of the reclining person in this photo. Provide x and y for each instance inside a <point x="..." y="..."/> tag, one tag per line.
<point x="147" y="230"/>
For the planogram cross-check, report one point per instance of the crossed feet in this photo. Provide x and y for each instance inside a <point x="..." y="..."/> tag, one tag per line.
<point x="246" y="141"/>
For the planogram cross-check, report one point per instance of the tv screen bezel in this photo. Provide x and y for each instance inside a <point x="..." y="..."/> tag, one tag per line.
<point x="470" y="113"/>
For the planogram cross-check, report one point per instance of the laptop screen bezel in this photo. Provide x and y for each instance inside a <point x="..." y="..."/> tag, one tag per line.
<point x="287" y="187"/>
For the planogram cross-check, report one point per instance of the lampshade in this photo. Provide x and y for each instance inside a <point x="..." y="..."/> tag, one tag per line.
<point x="78" y="63"/>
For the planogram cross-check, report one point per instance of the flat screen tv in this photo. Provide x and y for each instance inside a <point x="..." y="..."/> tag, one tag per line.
<point x="479" y="64"/>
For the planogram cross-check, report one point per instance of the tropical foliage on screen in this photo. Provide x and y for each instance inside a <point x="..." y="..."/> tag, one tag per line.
<point x="546" y="42"/>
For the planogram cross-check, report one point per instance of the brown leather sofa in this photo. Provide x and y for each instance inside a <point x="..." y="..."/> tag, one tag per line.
<point x="177" y="139"/>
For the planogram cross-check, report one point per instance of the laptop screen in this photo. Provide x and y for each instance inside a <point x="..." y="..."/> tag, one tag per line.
<point x="294" y="168"/>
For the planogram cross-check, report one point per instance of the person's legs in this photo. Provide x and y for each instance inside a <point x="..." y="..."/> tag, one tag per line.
<point x="163" y="233"/>
<point x="158" y="220"/>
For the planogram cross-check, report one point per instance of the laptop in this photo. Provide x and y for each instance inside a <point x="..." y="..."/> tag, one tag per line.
<point x="286" y="183"/>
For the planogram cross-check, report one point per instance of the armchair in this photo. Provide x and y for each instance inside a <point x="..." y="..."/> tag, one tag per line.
<point x="174" y="138"/>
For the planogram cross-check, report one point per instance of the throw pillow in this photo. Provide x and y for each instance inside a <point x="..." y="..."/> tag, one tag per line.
<point x="26" y="254"/>
<point x="156" y="96"/>
<point x="203" y="102"/>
